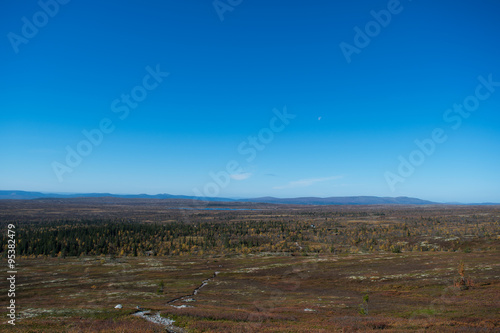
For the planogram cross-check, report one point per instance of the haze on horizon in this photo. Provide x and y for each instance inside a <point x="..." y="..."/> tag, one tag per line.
<point x="380" y="98"/>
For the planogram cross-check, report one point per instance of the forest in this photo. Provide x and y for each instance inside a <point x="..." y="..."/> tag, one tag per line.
<point x="289" y="230"/>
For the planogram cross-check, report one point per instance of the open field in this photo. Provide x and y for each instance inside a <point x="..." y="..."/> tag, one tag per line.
<point x="261" y="293"/>
<point x="352" y="269"/>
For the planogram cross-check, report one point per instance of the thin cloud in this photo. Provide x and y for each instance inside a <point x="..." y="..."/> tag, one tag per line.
<point x="241" y="176"/>
<point x="306" y="182"/>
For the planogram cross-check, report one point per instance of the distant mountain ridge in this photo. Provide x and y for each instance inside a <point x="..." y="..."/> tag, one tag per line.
<point x="352" y="200"/>
<point x="25" y="195"/>
<point x="355" y="200"/>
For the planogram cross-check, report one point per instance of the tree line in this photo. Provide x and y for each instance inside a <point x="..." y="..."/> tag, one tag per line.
<point x="120" y="237"/>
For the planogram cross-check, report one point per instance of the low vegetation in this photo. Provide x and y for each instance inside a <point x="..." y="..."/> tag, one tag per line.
<point x="279" y="269"/>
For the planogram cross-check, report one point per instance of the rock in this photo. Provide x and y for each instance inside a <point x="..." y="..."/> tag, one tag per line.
<point x="119" y="306"/>
<point x="181" y="306"/>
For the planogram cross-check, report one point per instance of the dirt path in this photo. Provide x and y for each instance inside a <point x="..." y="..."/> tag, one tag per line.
<point x="157" y="319"/>
<point x="196" y="290"/>
<point x="169" y="323"/>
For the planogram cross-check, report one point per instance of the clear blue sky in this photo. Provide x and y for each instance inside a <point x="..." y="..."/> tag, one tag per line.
<point x="353" y="120"/>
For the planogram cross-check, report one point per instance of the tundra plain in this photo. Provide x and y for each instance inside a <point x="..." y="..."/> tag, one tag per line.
<point x="246" y="267"/>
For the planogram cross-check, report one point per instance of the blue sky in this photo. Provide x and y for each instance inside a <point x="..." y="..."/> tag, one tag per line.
<point x="323" y="122"/>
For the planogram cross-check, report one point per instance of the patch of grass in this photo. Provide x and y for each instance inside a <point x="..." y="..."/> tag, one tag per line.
<point x="424" y="312"/>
